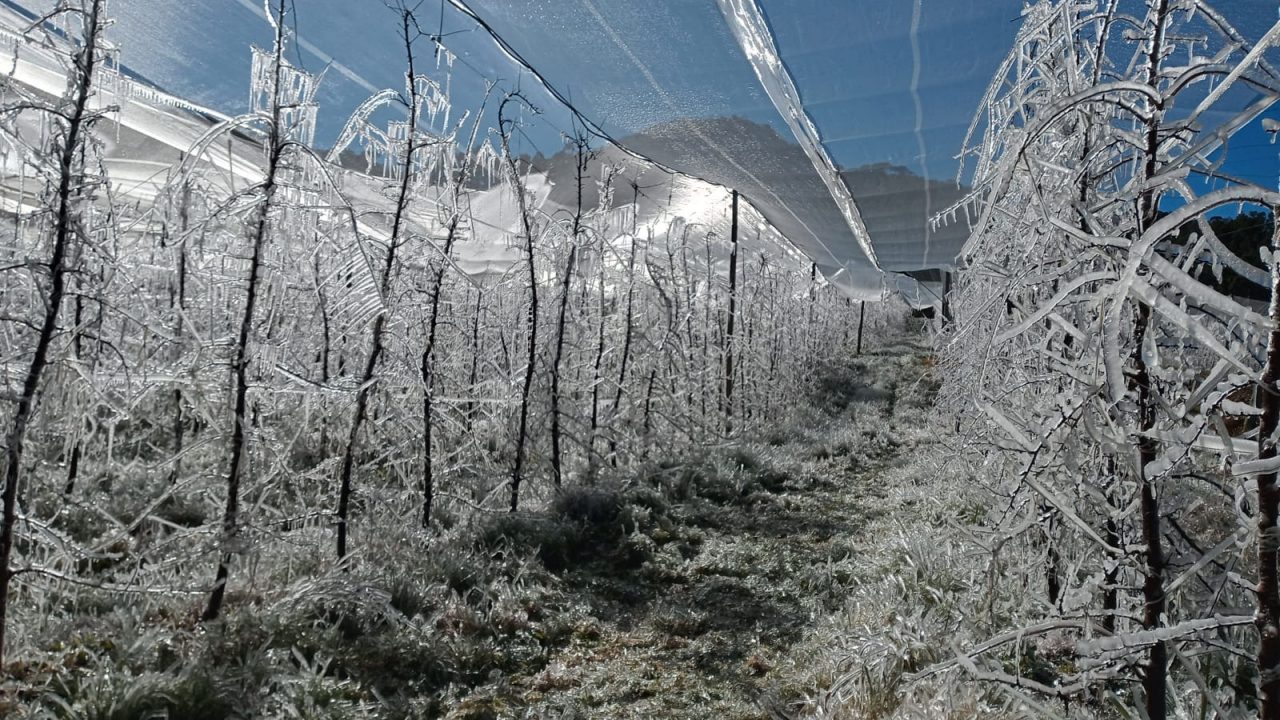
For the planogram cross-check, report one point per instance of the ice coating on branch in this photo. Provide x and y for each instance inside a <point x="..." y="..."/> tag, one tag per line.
<point x="1100" y="345"/>
<point x="294" y="98"/>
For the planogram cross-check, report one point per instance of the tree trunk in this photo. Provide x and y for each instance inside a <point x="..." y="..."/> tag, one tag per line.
<point x="77" y="442"/>
<point x="179" y="304"/>
<point x="862" y="315"/>
<point x="376" y="339"/>
<point x="473" y="377"/>
<point x="1155" y="675"/>
<point x="240" y="367"/>
<point x="326" y="350"/>
<point x="566" y="286"/>
<point x="1268" y="615"/>
<point x="648" y="409"/>
<point x="733" y="316"/>
<point x="428" y="375"/>
<point x="1155" y="680"/>
<point x="531" y="326"/>
<point x="596" y="379"/>
<point x="1111" y="533"/>
<point x="628" y="330"/>
<point x="69" y="182"/>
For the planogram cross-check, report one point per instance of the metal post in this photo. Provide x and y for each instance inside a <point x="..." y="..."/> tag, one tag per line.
<point x="862" y="314"/>
<point x="733" y="310"/>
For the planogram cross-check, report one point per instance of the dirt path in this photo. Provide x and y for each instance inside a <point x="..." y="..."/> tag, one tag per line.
<point x="739" y="570"/>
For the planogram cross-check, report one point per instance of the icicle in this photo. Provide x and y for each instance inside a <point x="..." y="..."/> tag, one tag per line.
<point x="448" y="93"/>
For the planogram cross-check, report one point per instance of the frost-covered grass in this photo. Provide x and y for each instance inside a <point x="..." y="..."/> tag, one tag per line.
<point x="915" y="587"/>
<point x="939" y="573"/>
<point x="672" y="590"/>
<point x="911" y="584"/>
<point x="408" y="631"/>
<point x="416" y="628"/>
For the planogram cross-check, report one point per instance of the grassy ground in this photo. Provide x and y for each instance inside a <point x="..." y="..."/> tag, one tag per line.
<point x="707" y="625"/>
<point x="700" y="588"/>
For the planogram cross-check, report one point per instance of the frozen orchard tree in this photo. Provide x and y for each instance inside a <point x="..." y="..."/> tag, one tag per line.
<point x="1081" y="282"/>
<point x="53" y="138"/>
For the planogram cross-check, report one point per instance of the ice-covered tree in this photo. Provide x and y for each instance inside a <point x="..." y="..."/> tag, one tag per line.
<point x="53" y="139"/>
<point x="1092" y="155"/>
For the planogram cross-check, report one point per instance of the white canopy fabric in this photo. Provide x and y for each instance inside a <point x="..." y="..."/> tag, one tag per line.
<point x="839" y="120"/>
